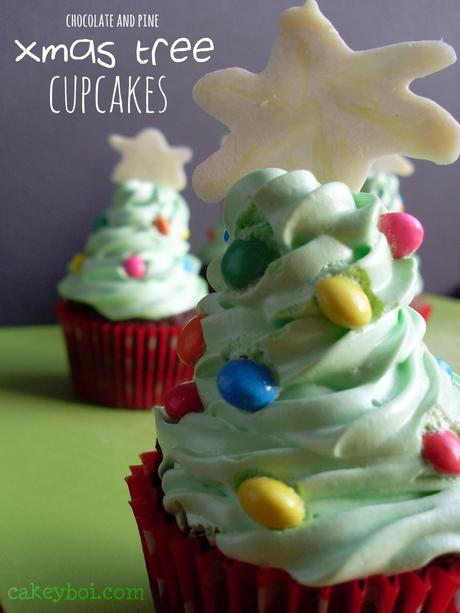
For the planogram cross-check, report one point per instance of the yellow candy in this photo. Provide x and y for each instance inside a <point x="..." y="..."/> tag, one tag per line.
<point x="344" y="302"/>
<point x="76" y="263"/>
<point x="271" y="503"/>
<point x="186" y="235"/>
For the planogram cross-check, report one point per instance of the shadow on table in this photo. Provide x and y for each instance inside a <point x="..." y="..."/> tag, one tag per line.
<point x="49" y="386"/>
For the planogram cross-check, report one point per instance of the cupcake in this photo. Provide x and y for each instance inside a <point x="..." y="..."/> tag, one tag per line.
<point x="313" y="463"/>
<point x="129" y="291"/>
<point x="318" y="463"/>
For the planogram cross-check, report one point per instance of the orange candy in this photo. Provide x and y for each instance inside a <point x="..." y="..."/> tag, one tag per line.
<point x="162" y="225"/>
<point x="190" y="346"/>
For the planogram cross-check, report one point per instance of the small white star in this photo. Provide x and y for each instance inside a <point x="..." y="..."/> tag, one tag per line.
<point x="319" y="105"/>
<point x="149" y="157"/>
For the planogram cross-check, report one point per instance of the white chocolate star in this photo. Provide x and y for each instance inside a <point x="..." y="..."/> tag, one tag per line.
<point x="148" y="157"/>
<point x="397" y="164"/>
<point x="320" y="106"/>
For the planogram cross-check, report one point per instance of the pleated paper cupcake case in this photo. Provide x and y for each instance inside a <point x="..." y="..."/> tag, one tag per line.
<point x="128" y="365"/>
<point x="188" y="575"/>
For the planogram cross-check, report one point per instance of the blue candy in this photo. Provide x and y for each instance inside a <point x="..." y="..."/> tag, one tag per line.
<point x="188" y="264"/>
<point x="226" y="236"/>
<point x="246" y="385"/>
<point x="445" y="366"/>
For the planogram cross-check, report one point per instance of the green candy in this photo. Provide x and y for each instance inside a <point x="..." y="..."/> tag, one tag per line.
<point x="245" y="261"/>
<point x="100" y="223"/>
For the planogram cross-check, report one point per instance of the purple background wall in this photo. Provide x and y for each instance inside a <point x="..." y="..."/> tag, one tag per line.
<point x="55" y="168"/>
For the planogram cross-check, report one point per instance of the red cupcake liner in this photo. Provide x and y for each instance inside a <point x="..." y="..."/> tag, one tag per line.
<point x="188" y="575"/>
<point x="121" y="364"/>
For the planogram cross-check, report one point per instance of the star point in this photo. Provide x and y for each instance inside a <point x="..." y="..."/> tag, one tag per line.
<point x="148" y="157"/>
<point x="320" y="106"/>
<point x="396" y="164"/>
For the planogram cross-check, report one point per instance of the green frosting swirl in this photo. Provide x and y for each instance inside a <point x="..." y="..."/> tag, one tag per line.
<point x="346" y="428"/>
<point x="171" y="284"/>
<point x="385" y="185"/>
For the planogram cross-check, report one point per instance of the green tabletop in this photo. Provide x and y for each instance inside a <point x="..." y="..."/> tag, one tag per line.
<point x="64" y="512"/>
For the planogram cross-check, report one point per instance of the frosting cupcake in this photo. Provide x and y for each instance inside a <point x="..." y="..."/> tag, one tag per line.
<point x="313" y="462"/>
<point x="324" y="430"/>
<point x="134" y="284"/>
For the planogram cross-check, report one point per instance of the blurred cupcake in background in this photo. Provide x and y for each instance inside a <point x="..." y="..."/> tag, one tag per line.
<point x="130" y="290"/>
<point x="383" y="180"/>
<point x="217" y="238"/>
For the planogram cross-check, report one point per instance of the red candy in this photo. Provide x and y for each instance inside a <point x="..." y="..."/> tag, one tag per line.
<point x="424" y="308"/>
<point x="135" y="266"/>
<point x="190" y="346"/>
<point x="404" y="233"/>
<point x="162" y="225"/>
<point x="442" y="450"/>
<point x="182" y="399"/>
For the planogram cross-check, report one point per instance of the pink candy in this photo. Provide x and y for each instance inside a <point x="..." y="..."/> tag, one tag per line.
<point x="442" y="450"/>
<point x="403" y="231"/>
<point x="135" y="266"/>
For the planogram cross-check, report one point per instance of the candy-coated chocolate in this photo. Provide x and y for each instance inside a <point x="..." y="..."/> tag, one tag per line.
<point x="226" y="236"/>
<point x="445" y="366"/>
<point x="245" y="261"/>
<point x="442" y="450"/>
<point x="246" y="385"/>
<point x="271" y="503"/>
<point x="76" y="263"/>
<point x="404" y="233"/>
<point x="162" y="225"/>
<point x="191" y="345"/>
<point x="135" y="266"/>
<point x="182" y="399"/>
<point x="344" y="302"/>
<point x="100" y="222"/>
<point x="188" y="264"/>
<point x="423" y="308"/>
<point x="185" y="235"/>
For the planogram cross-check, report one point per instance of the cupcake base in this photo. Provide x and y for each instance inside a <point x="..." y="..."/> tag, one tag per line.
<point x="122" y="364"/>
<point x="189" y="575"/>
